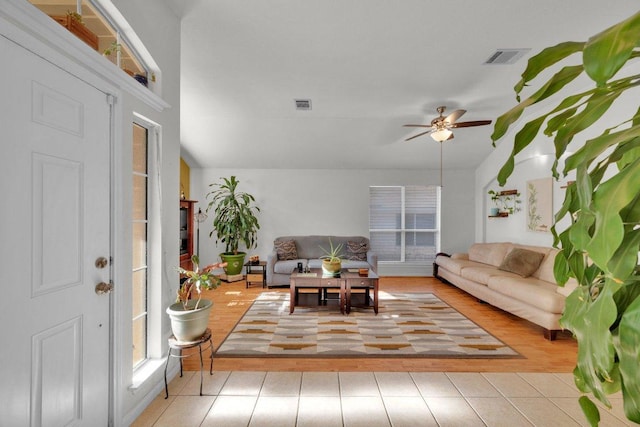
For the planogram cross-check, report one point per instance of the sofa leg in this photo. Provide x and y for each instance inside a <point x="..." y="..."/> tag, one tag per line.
<point x="550" y="334"/>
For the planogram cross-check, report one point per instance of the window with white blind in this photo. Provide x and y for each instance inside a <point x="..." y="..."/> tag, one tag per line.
<point x="404" y="223"/>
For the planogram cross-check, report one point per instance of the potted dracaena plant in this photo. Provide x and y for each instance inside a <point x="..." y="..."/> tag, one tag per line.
<point x="234" y="221"/>
<point x="600" y="245"/>
<point x="190" y="313"/>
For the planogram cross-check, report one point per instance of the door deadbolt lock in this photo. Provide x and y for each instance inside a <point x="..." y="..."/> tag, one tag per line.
<point x="102" y="262"/>
<point x="103" y="288"/>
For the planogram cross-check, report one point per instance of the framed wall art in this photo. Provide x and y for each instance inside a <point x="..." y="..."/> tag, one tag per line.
<point x="540" y="204"/>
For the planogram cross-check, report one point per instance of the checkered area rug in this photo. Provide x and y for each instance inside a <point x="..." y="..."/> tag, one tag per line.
<point x="407" y="325"/>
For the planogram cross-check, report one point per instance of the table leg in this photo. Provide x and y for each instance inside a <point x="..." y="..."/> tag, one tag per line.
<point x="292" y="295"/>
<point x="375" y="296"/>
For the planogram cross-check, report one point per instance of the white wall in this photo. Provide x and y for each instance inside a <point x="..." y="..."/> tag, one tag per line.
<point x="532" y="163"/>
<point x="301" y="202"/>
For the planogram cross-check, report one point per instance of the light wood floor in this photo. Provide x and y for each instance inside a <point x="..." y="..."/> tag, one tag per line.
<point x="231" y="300"/>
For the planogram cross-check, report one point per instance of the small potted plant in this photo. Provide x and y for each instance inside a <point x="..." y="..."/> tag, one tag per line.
<point x="496" y="203"/>
<point x="190" y="313"/>
<point x="505" y="202"/>
<point x="332" y="260"/>
<point x="234" y="221"/>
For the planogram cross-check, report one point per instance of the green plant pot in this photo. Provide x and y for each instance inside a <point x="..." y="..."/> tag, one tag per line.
<point x="189" y="325"/>
<point x="234" y="263"/>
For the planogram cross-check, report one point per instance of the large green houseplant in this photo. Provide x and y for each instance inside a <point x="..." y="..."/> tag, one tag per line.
<point x="234" y="221"/>
<point x="601" y="243"/>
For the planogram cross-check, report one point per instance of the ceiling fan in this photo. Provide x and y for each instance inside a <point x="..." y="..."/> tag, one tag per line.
<point x="440" y="127"/>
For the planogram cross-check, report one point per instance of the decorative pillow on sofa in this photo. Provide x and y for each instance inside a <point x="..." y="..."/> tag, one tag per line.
<point x="286" y="249"/>
<point x="357" y="251"/>
<point x="521" y="261"/>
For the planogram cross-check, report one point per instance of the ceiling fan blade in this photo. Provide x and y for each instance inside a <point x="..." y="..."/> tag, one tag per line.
<point x="469" y="124"/>
<point x="451" y="118"/>
<point x="416" y="126"/>
<point x="415" y="136"/>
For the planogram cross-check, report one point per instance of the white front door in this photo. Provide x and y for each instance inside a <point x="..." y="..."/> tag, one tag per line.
<point x="55" y="223"/>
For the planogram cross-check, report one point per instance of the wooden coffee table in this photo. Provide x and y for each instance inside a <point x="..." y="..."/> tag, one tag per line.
<point x="314" y="279"/>
<point x="347" y="281"/>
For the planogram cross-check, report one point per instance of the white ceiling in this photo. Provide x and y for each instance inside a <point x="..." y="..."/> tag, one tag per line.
<point x="369" y="66"/>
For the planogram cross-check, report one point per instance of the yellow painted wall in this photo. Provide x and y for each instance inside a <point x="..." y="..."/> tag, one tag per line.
<point x="184" y="178"/>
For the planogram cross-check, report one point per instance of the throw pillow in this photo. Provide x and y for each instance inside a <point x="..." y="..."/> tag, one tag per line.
<point x="357" y="251"/>
<point x="286" y="249"/>
<point x="522" y="262"/>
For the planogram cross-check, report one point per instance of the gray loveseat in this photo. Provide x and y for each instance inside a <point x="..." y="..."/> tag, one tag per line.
<point x="308" y="250"/>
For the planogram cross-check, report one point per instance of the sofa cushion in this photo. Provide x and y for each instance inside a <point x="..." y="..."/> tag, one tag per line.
<point x="534" y="292"/>
<point x="520" y="261"/>
<point x="489" y="253"/>
<point x="286" y="267"/>
<point x="357" y="251"/>
<point x="481" y="273"/>
<point x="545" y="271"/>
<point x="286" y="249"/>
<point x="454" y="265"/>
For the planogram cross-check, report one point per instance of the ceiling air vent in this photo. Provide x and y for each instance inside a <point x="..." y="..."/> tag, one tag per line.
<point x="506" y="56"/>
<point x="303" y="104"/>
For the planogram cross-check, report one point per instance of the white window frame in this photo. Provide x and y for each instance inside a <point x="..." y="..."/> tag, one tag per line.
<point x="403" y="230"/>
<point x="154" y="255"/>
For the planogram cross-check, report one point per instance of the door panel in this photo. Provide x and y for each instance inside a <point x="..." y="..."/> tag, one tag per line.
<point x="55" y="179"/>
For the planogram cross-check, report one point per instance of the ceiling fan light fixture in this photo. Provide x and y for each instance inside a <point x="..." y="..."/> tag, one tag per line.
<point x="441" y="135"/>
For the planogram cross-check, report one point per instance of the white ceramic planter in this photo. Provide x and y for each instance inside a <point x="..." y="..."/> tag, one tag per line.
<point x="189" y="325"/>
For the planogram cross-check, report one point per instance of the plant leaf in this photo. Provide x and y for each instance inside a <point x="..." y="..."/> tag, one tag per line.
<point x="609" y="199"/>
<point x="605" y="53"/>
<point x="597" y="105"/>
<point x="559" y="80"/>
<point x="627" y="344"/>
<point x="544" y="60"/>
<point x="590" y="411"/>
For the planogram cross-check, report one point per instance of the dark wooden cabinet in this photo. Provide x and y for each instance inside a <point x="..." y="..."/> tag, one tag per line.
<point x="186" y="233"/>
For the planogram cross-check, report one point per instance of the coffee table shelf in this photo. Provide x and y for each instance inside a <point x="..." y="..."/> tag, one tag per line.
<point x="345" y="282"/>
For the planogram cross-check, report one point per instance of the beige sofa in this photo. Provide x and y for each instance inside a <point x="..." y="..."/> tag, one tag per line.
<point x="481" y="273"/>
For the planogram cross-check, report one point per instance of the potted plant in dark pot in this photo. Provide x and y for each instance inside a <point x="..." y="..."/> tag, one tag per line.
<point x="234" y="221"/>
<point x="190" y="313"/>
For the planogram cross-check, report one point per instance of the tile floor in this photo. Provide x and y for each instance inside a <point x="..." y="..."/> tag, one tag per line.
<point x="372" y="399"/>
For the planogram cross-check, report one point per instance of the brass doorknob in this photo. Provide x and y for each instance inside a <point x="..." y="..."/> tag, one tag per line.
<point x="103" y="288"/>
<point x="102" y="262"/>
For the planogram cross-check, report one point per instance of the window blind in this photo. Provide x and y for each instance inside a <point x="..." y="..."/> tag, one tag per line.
<point x="404" y="223"/>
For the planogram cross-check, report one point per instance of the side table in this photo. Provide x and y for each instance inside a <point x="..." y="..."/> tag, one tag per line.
<point x="174" y="344"/>
<point x="256" y="273"/>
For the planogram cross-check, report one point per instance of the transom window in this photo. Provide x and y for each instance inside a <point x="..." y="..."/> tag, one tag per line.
<point x="87" y="21"/>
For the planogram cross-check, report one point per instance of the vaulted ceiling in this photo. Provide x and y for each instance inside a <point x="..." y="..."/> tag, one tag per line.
<point x="368" y="67"/>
